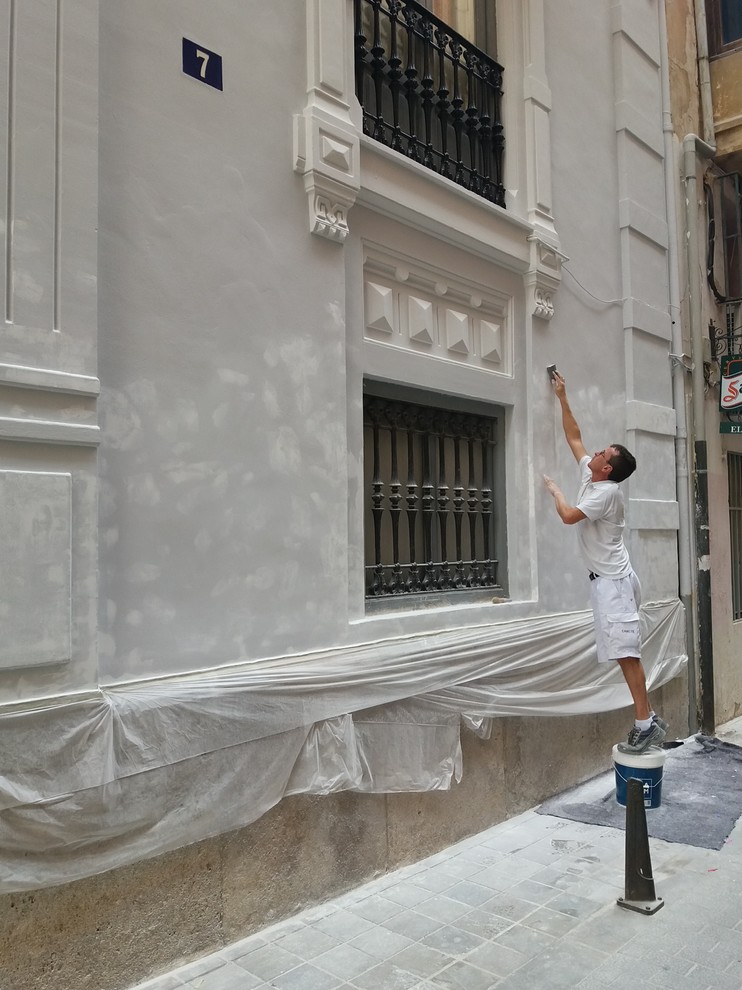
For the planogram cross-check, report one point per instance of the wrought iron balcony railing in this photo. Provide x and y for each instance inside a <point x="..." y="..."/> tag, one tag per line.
<point x="431" y="507"/>
<point x="430" y="94"/>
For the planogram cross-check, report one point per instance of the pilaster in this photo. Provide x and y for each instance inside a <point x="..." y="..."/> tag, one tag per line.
<point x="326" y="140"/>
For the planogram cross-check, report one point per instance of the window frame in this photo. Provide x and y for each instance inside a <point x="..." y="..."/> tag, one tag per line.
<point x="714" y="20"/>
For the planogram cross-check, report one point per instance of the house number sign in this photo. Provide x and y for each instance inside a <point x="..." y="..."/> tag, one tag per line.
<point x="202" y="64"/>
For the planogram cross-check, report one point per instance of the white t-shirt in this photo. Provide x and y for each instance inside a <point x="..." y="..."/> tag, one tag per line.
<point x="600" y="535"/>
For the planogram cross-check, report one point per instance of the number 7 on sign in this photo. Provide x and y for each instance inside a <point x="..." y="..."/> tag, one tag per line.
<point x="202" y="64"/>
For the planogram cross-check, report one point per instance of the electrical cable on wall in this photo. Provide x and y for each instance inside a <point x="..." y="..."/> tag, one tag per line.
<point x="606" y="302"/>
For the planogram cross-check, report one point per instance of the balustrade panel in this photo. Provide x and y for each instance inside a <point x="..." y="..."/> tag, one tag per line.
<point x="430" y="94"/>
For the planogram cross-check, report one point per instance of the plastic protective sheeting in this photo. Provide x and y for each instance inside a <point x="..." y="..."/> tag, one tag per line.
<point x="137" y="771"/>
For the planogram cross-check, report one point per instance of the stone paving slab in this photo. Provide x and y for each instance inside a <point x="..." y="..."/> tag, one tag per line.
<point x="528" y="904"/>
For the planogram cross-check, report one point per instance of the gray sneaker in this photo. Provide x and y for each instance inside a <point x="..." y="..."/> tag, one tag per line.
<point x="638" y="741"/>
<point x="661" y="722"/>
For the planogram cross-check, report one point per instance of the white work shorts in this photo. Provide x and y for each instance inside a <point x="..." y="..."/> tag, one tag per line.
<point x="616" y="604"/>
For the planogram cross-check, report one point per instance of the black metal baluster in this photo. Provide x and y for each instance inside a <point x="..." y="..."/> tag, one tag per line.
<point x="486" y="507"/>
<point x="472" y="503"/>
<point x="413" y="581"/>
<point x="443" y="106"/>
<point x="411" y="85"/>
<point x="428" y="502"/>
<point x="378" y="65"/>
<point x="395" y="73"/>
<point x="395" y="499"/>
<point x="472" y="119"/>
<point x="485" y="133"/>
<point x="457" y="114"/>
<point x="458" y="505"/>
<point x="427" y="93"/>
<point x="444" y="575"/>
<point x="498" y="139"/>
<point x="377" y="501"/>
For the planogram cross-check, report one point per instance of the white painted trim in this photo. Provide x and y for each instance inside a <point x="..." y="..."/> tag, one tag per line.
<point x="631" y="120"/>
<point x="648" y="513"/>
<point x="635" y="217"/>
<point x="637" y="315"/>
<point x="49" y="431"/>
<point x="47" y="380"/>
<point x="650" y="418"/>
<point x="439" y="207"/>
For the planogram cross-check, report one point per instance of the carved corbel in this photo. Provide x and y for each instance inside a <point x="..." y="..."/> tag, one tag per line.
<point x="326" y="153"/>
<point x="543" y="277"/>
<point x="326" y="139"/>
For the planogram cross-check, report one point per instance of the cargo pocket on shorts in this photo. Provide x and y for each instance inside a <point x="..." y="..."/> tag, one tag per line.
<point x="623" y="635"/>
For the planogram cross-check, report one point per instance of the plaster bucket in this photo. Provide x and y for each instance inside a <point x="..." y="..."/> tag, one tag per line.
<point x="648" y="767"/>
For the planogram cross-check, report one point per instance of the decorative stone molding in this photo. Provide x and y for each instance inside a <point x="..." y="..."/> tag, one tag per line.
<point x="418" y="309"/>
<point x="326" y="140"/>
<point x="544" y="274"/>
<point x="327" y="155"/>
<point x="328" y="218"/>
<point x="543" y="277"/>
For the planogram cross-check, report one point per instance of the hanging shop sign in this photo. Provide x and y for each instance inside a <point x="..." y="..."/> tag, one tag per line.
<point x="730" y="394"/>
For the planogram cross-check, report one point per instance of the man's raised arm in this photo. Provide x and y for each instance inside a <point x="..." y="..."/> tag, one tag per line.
<point x="569" y="423"/>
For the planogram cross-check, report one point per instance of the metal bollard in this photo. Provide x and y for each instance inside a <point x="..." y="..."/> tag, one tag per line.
<point x="639" y="884"/>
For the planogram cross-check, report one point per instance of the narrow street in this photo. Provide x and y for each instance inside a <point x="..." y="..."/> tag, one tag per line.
<point x="529" y="904"/>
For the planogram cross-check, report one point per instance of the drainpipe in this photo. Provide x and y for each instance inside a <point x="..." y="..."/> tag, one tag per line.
<point x="693" y="145"/>
<point x="679" y="374"/>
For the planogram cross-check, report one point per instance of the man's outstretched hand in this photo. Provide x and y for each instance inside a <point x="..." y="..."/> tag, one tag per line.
<point x="559" y="385"/>
<point x="552" y="486"/>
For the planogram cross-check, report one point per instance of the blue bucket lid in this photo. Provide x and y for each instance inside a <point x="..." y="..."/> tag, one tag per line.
<point x="650" y="759"/>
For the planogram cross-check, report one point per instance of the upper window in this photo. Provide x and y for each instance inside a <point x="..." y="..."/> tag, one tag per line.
<point x="731" y="227"/>
<point x="474" y="19"/>
<point x="725" y="26"/>
<point x="429" y="92"/>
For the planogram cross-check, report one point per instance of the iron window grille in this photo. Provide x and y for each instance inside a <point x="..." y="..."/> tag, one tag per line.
<point x="431" y="511"/>
<point x="734" y="467"/>
<point x="430" y="94"/>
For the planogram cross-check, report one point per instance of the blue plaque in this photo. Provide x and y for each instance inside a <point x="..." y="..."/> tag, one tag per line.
<point x="202" y="64"/>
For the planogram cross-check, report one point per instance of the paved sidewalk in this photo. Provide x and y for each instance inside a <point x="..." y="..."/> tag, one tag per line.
<point x="529" y="904"/>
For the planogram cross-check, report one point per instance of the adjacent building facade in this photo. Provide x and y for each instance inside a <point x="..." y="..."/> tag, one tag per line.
<point x="286" y="602"/>
<point x="705" y="49"/>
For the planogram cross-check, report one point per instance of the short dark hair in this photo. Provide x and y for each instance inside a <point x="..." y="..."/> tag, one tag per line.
<point x="623" y="463"/>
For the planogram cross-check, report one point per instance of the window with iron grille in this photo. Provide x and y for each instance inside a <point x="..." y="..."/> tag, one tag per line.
<point x="734" y="467"/>
<point x="434" y="496"/>
<point x="430" y="93"/>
